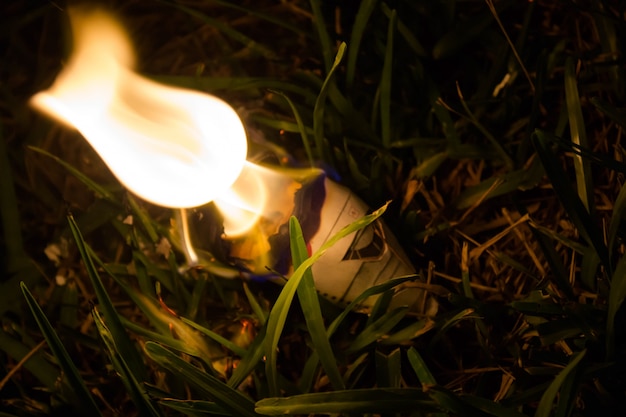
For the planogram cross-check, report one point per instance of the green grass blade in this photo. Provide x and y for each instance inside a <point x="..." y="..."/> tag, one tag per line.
<point x="270" y="18"/>
<point x="378" y="289"/>
<point x="226" y="397"/>
<point x="582" y="167"/>
<point x="226" y="29"/>
<point x="194" y="407"/>
<point x="452" y="403"/>
<point x="406" y="33"/>
<point x="10" y="287"/>
<point x="556" y="330"/>
<point x="216" y="337"/>
<point x="445" y="399"/>
<point x="545" y="407"/>
<point x="358" y="28"/>
<point x="164" y="277"/>
<point x="429" y="165"/>
<point x="68" y="316"/>
<point x="278" y="124"/>
<point x="559" y="274"/>
<point x="380" y="307"/>
<point x="311" y="307"/>
<point x="537" y="308"/>
<point x="489" y="188"/>
<point x="249" y="362"/>
<point x="145" y="407"/>
<point x="403" y="335"/>
<point x="143" y="279"/>
<point x="320" y="104"/>
<point x="388" y="368"/>
<point x="567" y="395"/>
<point x="610" y="39"/>
<point x="617" y="218"/>
<point x="125" y="346"/>
<point x="461" y="35"/>
<point x="578" y="247"/>
<point x="419" y="367"/>
<point x="145" y="300"/>
<point x="411" y="331"/>
<point x="356" y="401"/>
<point x="618" y="115"/>
<point x="301" y="128"/>
<point x="279" y="312"/>
<point x="355" y="121"/>
<point x="449" y="322"/>
<point x="171" y="329"/>
<point x="76" y="385"/>
<point x="259" y="312"/>
<point x="197" y="298"/>
<point x="322" y="34"/>
<point x="570" y="200"/>
<point x="596" y="158"/>
<point x="244" y="84"/>
<point x="504" y="156"/>
<point x="144" y="218"/>
<point x="445" y="119"/>
<point x="309" y="372"/>
<point x="385" y="84"/>
<point x="590" y="263"/>
<point x="361" y="181"/>
<point x="93" y="186"/>
<point x="524" y="150"/>
<point x="377" y="329"/>
<point x="356" y="369"/>
<point x="187" y="345"/>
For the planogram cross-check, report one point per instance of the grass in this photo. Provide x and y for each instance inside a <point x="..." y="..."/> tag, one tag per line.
<point x="494" y="128"/>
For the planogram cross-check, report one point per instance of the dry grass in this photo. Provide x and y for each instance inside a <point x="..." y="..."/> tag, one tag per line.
<point x="493" y="236"/>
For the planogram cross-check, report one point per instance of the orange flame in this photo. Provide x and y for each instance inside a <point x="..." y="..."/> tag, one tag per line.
<point x="173" y="147"/>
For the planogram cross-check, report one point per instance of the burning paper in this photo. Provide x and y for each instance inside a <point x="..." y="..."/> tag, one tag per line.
<point x="179" y="148"/>
<point x="368" y="257"/>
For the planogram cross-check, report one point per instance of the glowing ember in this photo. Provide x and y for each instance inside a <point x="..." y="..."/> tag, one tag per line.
<point x="172" y="147"/>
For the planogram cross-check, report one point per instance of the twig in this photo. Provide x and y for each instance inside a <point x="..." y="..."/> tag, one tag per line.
<point x="506" y="35"/>
<point x="19" y="365"/>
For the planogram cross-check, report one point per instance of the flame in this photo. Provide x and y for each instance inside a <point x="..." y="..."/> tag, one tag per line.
<point x="240" y="204"/>
<point x="173" y="147"/>
<point x="275" y="189"/>
<point x="247" y="202"/>
<point x="179" y="148"/>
